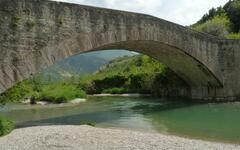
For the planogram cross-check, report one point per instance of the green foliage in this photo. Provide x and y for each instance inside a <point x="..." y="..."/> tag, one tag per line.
<point x="140" y="83"/>
<point x="60" y="93"/>
<point x="115" y="91"/>
<point x="233" y="10"/>
<point x="30" y="24"/>
<point x="18" y="92"/>
<point x="109" y="82"/>
<point x="217" y="26"/>
<point x="6" y="126"/>
<point x="136" y="74"/>
<point x="222" y="21"/>
<point x="25" y="89"/>
<point x="233" y="36"/>
<point x="210" y="15"/>
<point x="15" y="21"/>
<point x="36" y="91"/>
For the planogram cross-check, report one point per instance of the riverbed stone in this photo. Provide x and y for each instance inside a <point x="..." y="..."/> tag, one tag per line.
<point x="91" y="138"/>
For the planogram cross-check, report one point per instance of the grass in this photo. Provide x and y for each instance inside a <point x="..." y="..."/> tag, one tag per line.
<point x="6" y="126"/>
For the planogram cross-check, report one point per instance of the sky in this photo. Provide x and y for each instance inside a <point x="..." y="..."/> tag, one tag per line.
<point x="184" y="12"/>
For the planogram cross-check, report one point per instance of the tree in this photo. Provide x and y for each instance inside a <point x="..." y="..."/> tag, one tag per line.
<point x="233" y="10"/>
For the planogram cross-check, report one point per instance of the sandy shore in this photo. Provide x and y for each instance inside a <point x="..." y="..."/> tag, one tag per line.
<point x="90" y="138"/>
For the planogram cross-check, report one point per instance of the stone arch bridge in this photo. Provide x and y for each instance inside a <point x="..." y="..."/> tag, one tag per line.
<point x="35" y="34"/>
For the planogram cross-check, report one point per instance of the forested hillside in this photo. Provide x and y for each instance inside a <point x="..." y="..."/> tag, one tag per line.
<point x="223" y="21"/>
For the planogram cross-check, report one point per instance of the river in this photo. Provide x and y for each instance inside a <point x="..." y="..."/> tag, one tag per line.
<point x="211" y="121"/>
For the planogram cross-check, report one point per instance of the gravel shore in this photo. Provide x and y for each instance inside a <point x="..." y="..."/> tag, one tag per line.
<point x="91" y="138"/>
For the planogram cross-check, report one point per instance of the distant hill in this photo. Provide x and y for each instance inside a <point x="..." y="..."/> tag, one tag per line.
<point x="82" y="64"/>
<point x="222" y="21"/>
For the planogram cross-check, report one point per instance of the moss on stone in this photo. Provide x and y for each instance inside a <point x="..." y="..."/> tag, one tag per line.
<point x="15" y="21"/>
<point x="30" y="24"/>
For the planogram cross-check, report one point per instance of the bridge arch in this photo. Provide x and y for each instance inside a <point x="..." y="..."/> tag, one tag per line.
<point x="37" y="34"/>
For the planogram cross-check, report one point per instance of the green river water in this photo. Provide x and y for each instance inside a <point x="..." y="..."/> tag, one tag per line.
<point x="217" y="122"/>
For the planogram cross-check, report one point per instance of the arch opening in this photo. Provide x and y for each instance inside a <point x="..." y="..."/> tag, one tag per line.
<point x="127" y="66"/>
<point x="202" y="82"/>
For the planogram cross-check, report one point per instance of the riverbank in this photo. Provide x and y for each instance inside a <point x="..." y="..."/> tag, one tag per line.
<point x="91" y="138"/>
<point x="80" y="100"/>
<point x="121" y="95"/>
<point x="74" y="101"/>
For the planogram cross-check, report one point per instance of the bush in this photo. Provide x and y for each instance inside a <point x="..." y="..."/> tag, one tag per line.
<point x="110" y="82"/>
<point x="218" y="26"/>
<point x="60" y="93"/>
<point x="115" y="91"/>
<point x="36" y="91"/>
<point x="233" y="10"/>
<point x="20" y="91"/>
<point x="6" y="126"/>
<point x="140" y="83"/>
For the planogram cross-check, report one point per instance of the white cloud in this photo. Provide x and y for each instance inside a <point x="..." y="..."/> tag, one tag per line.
<point x="183" y="12"/>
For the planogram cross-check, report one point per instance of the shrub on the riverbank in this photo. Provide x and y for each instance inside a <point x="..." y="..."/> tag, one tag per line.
<point x="60" y="93"/>
<point x="18" y="92"/>
<point x="6" y="126"/>
<point x="37" y="91"/>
